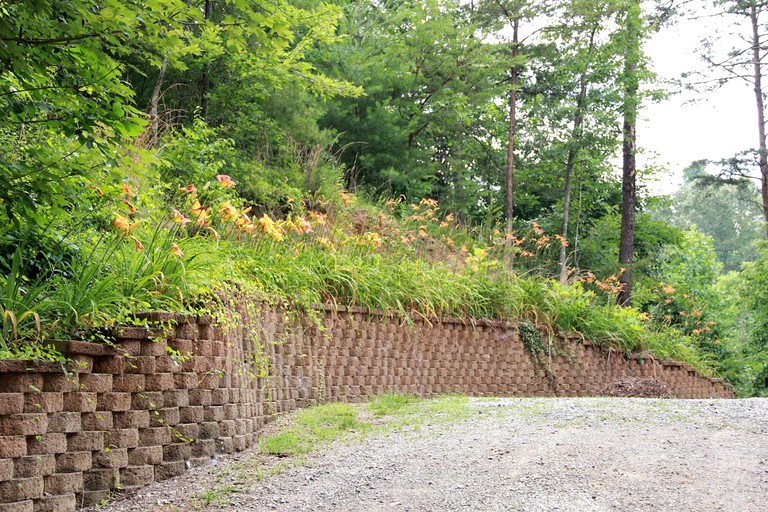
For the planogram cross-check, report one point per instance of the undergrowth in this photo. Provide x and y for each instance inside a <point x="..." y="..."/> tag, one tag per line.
<point x="407" y="259"/>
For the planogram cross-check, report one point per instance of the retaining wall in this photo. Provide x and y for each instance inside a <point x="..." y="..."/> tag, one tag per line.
<point x="125" y="416"/>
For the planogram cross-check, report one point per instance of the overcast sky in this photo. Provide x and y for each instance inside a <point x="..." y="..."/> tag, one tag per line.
<point x="720" y="124"/>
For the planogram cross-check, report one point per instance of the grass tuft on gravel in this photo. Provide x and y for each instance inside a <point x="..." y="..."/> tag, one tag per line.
<point x="313" y="426"/>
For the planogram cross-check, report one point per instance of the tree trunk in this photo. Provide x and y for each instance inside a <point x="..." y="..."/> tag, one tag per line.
<point x="758" y="80"/>
<point x="512" y="127"/>
<point x="205" y="82"/>
<point x="154" y="121"/>
<point x="629" y="146"/>
<point x="578" y="120"/>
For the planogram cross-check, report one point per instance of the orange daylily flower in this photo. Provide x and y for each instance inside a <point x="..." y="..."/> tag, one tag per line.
<point x="139" y="245"/>
<point x="266" y="223"/>
<point x="214" y="233"/>
<point x="97" y="189"/>
<point x="124" y="224"/>
<point x="176" y="250"/>
<point x="202" y="218"/>
<point x="227" y="211"/>
<point x="317" y="217"/>
<point x="188" y="189"/>
<point x="225" y="181"/>
<point x="127" y="190"/>
<point x="131" y="208"/>
<point x="201" y="213"/>
<point x="179" y="217"/>
<point x="304" y="225"/>
<point x="121" y="222"/>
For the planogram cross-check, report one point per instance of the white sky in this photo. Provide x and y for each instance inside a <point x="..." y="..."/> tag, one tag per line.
<point x="720" y="124"/>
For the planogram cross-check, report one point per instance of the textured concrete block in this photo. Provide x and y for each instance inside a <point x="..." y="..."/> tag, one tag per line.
<point x="64" y="422"/>
<point x="99" y="479"/>
<point x="113" y="364"/>
<point x="176" y="451"/>
<point x="113" y="401"/>
<point x="96" y="382"/>
<point x="21" y="489"/>
<point x="175" y="398"/>
<point x="6" y="469"/>
<point x="18" y="506"/>
<point x="168" y="416"/>
<point x="21" y="382"/>
<point x="136" y="476"/>
<point x="147" y="400"/>
<point x="199" y="397"/>
<point x="214" y="413"/>
<point x="93" y="498"/>
<point x="62" y="503"/>
<point x="167" y="364"/>
<point x="141" y="364"/>
<point x="191" y="414"/>
<point x="185" y="380"/>
<point x="111" y="458"/>
<point x="145" y="455"/>
<point x="34" y="465"/>
<point x="203" y="448"/>
<point x="99" y="420"/>
<point x="186" y="431"/>
<point x="61" y="383"/>
<point x="11" y="403"/>
<point x="64" y="483"/>
<point x="129" y="383"/>
<point x="87" y="440"/>
<point x="80" y="402"/>
<point x="208" y="430"/>
<point x="13" y="446"/>
<point x="71" y="462"/>
<point x="122" y="438"/>
<point x="23" y="424"/>
<point x="47" y="443"/>
<point x="166" y="470"/>
<point x="131" y="419"/>
<point x="43" y="402"/>
<point x="155" y="436"/>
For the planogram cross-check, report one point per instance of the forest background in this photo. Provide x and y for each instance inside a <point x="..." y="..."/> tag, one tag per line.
<point x="466" y="158"/>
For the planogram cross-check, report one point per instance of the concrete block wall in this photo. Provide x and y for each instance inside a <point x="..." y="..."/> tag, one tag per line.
<point x="123" y="416"/>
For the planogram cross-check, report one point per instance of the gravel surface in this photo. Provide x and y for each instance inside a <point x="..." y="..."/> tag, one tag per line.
<point x="532" y="454"/>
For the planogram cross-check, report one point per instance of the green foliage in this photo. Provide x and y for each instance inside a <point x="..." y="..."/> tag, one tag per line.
<point x="312" y="427"/>
<point x="747" y="315"/>
<point x="727" y="211"/>
<point x="388" y="404"/>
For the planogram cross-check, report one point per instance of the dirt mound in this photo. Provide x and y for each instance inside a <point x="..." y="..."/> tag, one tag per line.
<point x="640" y="387"/>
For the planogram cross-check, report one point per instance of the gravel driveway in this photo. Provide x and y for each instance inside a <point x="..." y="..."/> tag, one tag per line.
<point x="533" y="454"/>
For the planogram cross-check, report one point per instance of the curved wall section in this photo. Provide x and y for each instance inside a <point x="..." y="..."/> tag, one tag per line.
<point x="141" y="411"/>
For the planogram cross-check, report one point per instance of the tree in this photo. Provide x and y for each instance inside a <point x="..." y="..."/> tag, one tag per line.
<point x="731" y="213"/>
<point x="632" y="25"/>
<point x="745" y="63"/>
<point x="428" y="80"/>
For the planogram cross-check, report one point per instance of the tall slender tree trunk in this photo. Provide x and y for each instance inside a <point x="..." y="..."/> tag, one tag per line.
<point x="629" y="147"/>
<point x="512" y="126"/>
<point x="154" y="100"/>
<point x="578" y="121"/>
<point x="758" y="81"/>
<point x="205" y="82"/>
<point x="510" y="211"/>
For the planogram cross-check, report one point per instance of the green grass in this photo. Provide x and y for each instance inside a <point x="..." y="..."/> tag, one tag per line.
<point x="313" y="427"/>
